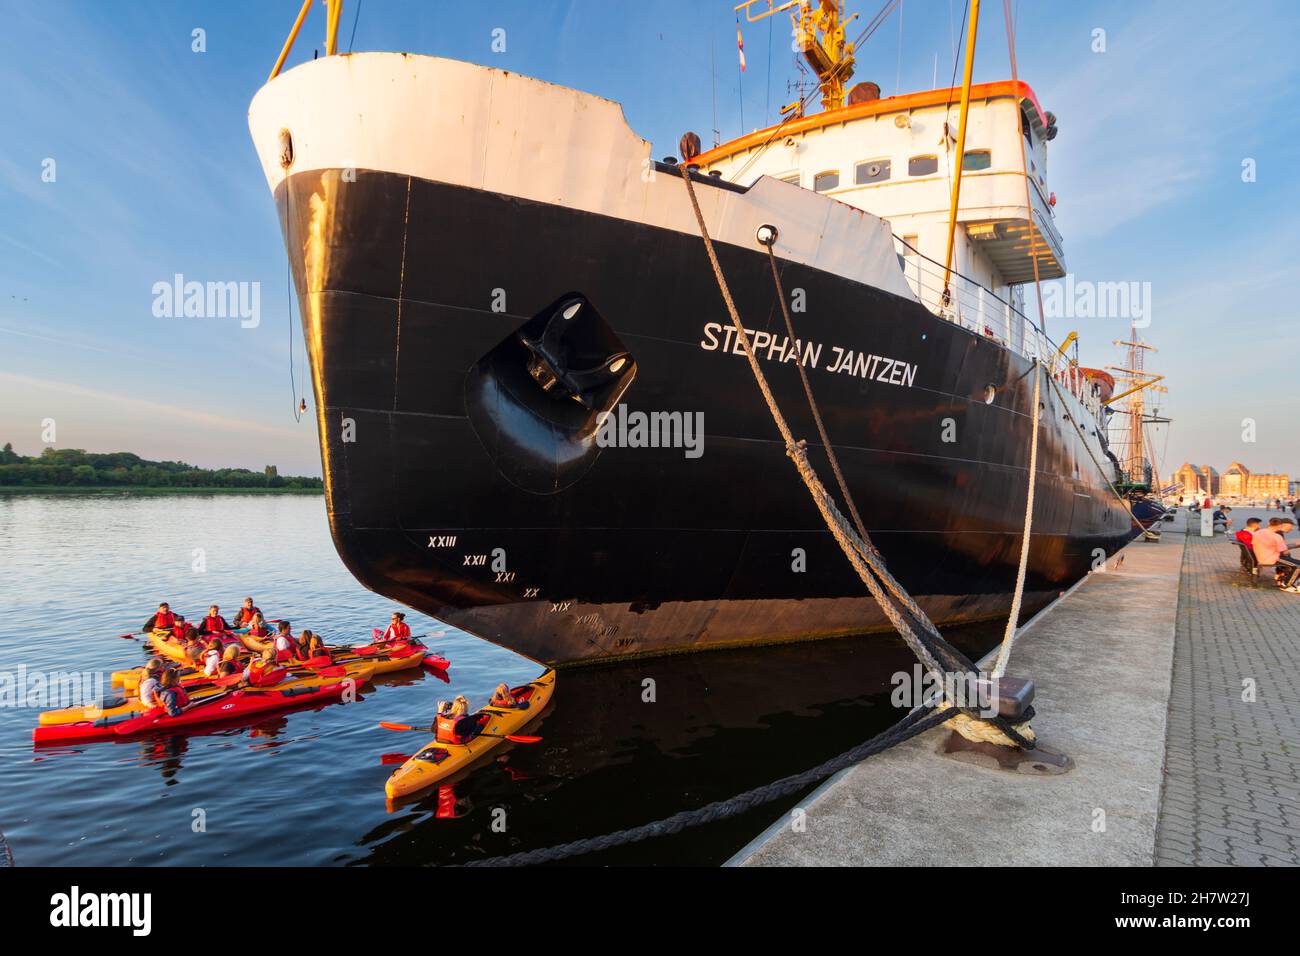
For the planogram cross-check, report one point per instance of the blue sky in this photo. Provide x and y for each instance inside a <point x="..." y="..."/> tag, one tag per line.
<point x="155" y="175"/>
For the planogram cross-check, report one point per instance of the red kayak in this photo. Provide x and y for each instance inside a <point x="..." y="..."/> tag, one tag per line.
<point x="233" y="706"/>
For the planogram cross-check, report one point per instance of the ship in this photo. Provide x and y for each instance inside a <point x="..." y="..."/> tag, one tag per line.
<point x="1129" y="439"/>
<point x="537" y="422"/>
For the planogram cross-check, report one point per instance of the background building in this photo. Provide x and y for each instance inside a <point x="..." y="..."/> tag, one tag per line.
<point x="1237" y="481"/>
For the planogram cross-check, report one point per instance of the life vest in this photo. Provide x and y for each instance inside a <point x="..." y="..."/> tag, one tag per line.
<point x="445" y="730"/>
<point x="246" y="614"/>
<point x="285" y="653"/>
<point x="261" y="674"/>
<point x="163" y="621"/>
<point x="320" y="660"/>
<point x="214" y="625"/>
<point x="258" y="631"/>
<point x="178" y="632"/>
<point x="398" y="631"/>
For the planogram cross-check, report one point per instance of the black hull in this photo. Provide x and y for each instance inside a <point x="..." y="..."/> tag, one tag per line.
<point x="436" y="454"/>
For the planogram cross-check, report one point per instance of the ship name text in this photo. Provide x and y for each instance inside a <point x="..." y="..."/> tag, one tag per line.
<point x="781" y="348"/>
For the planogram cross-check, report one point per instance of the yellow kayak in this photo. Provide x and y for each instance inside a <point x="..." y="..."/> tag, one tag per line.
<point x="437" y="761"/>
<point x="383" y="658"/>
<point x="130" y="703"/>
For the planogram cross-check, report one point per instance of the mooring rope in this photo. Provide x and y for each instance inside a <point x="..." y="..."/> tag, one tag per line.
<point x="953" y="658"/>
<point x="1013" y="619"/>
<point x="916" y="722"/>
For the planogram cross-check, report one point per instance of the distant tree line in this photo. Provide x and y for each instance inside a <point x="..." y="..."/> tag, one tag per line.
<point x="75" y="467"/>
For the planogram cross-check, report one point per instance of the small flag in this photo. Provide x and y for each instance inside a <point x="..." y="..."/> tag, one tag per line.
<point x="740" y="45"/>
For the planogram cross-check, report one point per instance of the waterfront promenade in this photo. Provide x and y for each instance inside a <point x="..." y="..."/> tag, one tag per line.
<point x="1140" y="673"/>
<point x="1232" y="783"/>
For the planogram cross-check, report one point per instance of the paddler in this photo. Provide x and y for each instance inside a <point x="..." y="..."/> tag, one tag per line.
<point x="317" y="652"/>
<point x="256" y="671"/>
<point x="398" y="629"/>
<point x="302" y="646"/>
<point x="211" y="659"/>
<point x="284" y="644"/>
<point x="149" y="683"/>
<point x="171" y="696"/>
<point x="457" y="725"/>
<point x="245" y="615"/>
<point x="501" y="697"/>
<point x="257" y="626"/>
<point x="214" y="623"/>
<point x="162" y="620"/>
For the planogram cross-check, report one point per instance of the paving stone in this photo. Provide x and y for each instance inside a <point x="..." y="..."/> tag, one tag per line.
<point x="1232" y="767"/>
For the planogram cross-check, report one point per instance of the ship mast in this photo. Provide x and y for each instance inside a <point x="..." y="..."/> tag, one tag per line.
<point x="1134" y="374"/>
<point x="819" y="34"/>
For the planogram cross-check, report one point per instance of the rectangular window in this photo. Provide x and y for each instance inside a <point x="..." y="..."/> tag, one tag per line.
<point x="826" y="180"/>
<point x="793" y="179"/>
<point x="922" y="165"/>
<point x="910" y="246"/>
<point x="872" y="171"/>
<point x="976" y="159"/>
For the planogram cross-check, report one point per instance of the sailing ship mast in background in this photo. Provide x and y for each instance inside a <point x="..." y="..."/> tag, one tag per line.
<point x="1136" y="451"/>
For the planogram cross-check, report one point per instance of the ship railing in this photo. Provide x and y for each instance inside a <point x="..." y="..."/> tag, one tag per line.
<point x="980" y="310"/>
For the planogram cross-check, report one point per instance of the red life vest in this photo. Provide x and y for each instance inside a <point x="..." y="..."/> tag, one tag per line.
<point x="397" y="631"/>
<point x="261" y="674"/>
<point x="246" y="614"/>
<point x="164" y="620"/>
<point x="214" y="625"/>
<point x="445" y="730"/>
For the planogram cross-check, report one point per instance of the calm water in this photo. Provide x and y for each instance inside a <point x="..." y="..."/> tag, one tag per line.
<point x="306" y="788"/>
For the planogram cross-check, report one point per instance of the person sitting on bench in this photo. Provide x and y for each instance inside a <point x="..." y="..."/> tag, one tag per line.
<point x="1244" y="535"/>
<point x="1270" y="548"/>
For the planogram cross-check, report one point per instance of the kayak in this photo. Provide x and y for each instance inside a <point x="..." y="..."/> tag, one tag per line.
<point x="437" y="761"/>
<point x="217" y="708"/>
<point x="385" y="658"/>
<point x="129" y="703"/>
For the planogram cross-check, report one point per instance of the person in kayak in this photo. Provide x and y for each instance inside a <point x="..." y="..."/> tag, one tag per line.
<point x="171" y="696"/>
<point x="257" y="626"/>
<point x="398" y="629"/>
<point x="304" y="648"/>
<point x="214" y="623"/>
<point x="149" y="683"/>
<point x="457" y="725"/>
<point x="162" y="620"/>
<point x="245" y="615"/>
<point x="317" y="652"/>
<point x="501" y="697"/>
<point x="284" y="644"/>
<point x="212" y="656"/>
<point x="258" y="671"/>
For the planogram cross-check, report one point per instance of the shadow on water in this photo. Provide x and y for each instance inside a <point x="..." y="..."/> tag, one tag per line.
<point x="719" y="723"/>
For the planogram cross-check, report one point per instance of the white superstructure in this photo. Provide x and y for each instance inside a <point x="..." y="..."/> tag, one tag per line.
<point x="896" y="157"/>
